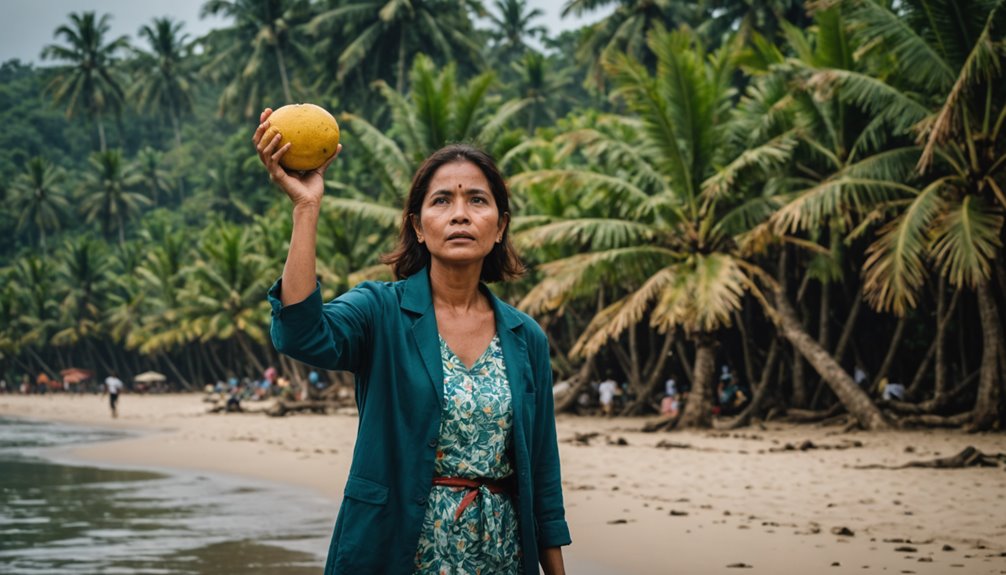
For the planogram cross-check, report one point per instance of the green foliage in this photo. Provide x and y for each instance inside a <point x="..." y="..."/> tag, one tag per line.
<point x="872" y="138"/>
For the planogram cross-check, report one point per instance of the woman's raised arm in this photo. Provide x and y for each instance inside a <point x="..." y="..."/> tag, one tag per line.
<point x="305" y="190"/>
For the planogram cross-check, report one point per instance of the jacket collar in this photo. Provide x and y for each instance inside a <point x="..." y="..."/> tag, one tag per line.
<point x="417" y="298"/>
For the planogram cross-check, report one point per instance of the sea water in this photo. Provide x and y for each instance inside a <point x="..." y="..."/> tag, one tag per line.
<point x="60" y="517"/>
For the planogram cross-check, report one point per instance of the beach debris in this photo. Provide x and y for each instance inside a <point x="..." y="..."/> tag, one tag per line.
<point x="739" y="566"/>
<point x="665" y="444"/>
<point x="676" y="513"/>
<point x="808" y="445"/>
<point x="582" y="438"/>
<point x="948" y="547"/>
<point x="842" y="531"/>
<point x="836" y="564"/>
<point x="970" y="456"/>
<point x="906" y="549"/>
<point x="618" y="522"/>
<point x="620" y="441"/>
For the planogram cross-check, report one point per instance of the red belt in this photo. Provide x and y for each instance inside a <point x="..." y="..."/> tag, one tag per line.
<point x="504" y="485"/>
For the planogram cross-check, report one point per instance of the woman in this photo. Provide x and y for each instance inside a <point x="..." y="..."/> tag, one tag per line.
<point x="456" y="466"/>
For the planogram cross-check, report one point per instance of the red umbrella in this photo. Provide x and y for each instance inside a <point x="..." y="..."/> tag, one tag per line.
<point x="75" y="375"/>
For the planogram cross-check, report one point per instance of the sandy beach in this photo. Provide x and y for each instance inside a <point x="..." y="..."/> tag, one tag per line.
<point x="639" y="503"/>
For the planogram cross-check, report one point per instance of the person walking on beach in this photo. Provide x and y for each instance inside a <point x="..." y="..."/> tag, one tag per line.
<point x="606" y="393"/>
<point x="456" y="465"/>
<point x="114" y="385"/>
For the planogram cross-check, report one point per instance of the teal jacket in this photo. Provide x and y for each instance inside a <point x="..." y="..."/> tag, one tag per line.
<point x="386" y="334"/>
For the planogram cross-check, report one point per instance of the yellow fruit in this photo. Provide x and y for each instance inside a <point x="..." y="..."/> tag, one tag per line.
<point x="312" y="132"/>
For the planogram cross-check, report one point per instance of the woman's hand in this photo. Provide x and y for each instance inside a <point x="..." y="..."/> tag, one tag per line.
<point x="303" y="188"/>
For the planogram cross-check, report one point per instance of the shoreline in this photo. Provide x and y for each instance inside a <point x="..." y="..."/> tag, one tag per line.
<point x="728" y="499"/>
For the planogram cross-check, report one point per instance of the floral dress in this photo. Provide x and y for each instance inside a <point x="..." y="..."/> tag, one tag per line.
<point x="474" y="442"/>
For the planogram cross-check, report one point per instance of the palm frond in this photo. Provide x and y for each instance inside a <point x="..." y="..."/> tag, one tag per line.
<point x="708" y="289"/>
<point x="597" y="234"/>
<point x="902" y="112"/>
<point x="580" y="276"/>
<point x="894" y="270"/>
<point x="384" y="216"/>
<point x="397" y="173"/>
<point x="983" y="65"/>
<point x="966" y="241"/>
<point x="878" y="27"/>
<point x="763" y="158"/>
<point x="858" y="186"/>
<point x="624" y="314"/>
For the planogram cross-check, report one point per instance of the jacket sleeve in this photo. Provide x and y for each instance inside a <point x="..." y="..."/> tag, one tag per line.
<point x="550" y="515"/>
<point x="334" y="335"/>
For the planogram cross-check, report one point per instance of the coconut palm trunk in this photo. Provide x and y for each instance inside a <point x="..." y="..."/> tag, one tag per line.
<point x="101" y="133"/>
<point x="986" y="412"/>
<point x="852" y="397"/>
<point x="699" y="407"/>
<point x="282" y="73"/>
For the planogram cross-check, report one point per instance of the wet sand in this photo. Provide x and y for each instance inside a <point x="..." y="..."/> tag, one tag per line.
<point x="704" y="502"/>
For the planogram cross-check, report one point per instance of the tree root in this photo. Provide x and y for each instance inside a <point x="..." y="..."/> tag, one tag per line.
<point x="970" y="456"/>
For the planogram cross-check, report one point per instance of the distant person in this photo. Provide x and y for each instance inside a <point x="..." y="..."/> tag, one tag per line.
<point x="670" y="406"/>
<point x="893" y="390"/>
<point x="270" y="375"/>
<point x="859" y="376"/>
<point x="670" y="387"/>
<point x="606" y="395"/>
<point x="731" y="394"/>
<point x="114" y="386"/>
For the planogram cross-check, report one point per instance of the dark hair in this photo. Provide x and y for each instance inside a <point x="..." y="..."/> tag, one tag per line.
<point x="410" y="256"/>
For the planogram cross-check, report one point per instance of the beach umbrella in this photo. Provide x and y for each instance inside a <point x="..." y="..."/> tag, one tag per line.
<point x="74" y="375"/>
<point x="150" y="377"/>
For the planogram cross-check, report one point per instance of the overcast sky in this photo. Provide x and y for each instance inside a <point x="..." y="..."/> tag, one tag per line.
<point x="27" y="25"/>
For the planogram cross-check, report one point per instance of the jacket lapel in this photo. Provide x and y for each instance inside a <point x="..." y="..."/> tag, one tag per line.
<point x="509" y="328"/>
<point x="418" y="301"/>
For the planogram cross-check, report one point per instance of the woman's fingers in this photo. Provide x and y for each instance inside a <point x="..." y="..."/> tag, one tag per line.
<point x="278" y="154"/>
<point x="259" y="132"/>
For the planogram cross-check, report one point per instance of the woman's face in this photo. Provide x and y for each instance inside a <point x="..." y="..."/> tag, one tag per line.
<point x="459" y="221"/>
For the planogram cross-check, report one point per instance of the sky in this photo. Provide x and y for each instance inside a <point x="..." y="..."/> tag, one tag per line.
<point x="27" y="25"/>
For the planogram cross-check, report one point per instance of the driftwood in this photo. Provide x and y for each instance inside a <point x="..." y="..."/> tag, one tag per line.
<point x="664" y="423"/>
<point x="283" y="407"/>
<point x="970" y="456"/>
<point x="808" y="416"/>
<point x="936" y="420"/>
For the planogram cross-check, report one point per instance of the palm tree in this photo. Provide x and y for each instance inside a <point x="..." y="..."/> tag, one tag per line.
<point x="152" y="178"/>
<point x="39" y="197"/>
<point x="88" y="80"/>
<point x="83" y="271"/>
<point x="224" y="292"/>
<point x="938" y="75"/>
<point x="625" y="30"/>
<point x="106" y="193"/>
<point x="513" y="25"/>
<point x="163" y="80"/>
<point x="845" y="164"/>
<point x="385" y="34"/>
<point x="38" y="311"/>
<point x="670" y="248"/>
<point x="436" y="112"/>
<point x="541" y="85"/>
<point x="261" y="44"/>
<point x="763" y="17"/>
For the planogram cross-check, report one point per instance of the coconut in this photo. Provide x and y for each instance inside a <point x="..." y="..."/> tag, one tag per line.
<point x="313" y="135"/>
